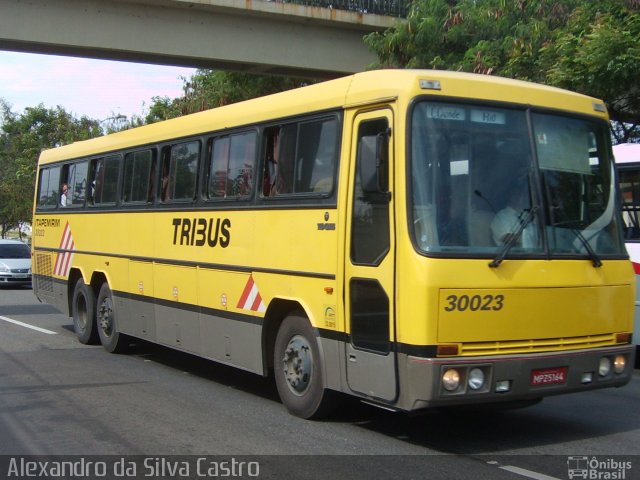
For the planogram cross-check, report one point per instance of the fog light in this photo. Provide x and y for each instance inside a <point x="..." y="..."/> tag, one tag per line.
<point x="619" y="362"/>
<point x="586" y="377"/>
<point x="476" y="379"/>
<point x="503" y="386"/>
<point x="451" y="380"/>
<point x="604" y="368"/>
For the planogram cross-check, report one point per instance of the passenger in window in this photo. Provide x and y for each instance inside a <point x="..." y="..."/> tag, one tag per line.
<point x="286" y="159"/>
<point x="271" y="164"/>
<point x="324" y="185"/>
<point x="278" y="175"/>
<point x="92" y="192"/>
<point x="151" y="190"/>
<point x="507" y="220"/>
<point x="64" y="200"/>
<point x="98" y="181"/>
<point x="164" y="183"/>
<point x="242" y="184"/>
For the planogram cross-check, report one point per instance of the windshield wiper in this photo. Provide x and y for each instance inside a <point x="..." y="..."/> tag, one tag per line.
<point x="525" y="220"/>
<point x="587" y="246"/>
<point x="574" y="227"/>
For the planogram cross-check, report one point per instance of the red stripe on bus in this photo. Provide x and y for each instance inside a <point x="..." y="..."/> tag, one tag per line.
<point x="256" y="303"/>
<point x="245" y="293"/>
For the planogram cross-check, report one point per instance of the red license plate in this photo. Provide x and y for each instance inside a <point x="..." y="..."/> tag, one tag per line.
<point x="549" y="376"/>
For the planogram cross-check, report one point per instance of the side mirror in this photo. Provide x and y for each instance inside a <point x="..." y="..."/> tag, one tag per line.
<point x="374" y="163"/>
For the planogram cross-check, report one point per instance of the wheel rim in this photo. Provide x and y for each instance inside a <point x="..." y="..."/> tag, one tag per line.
<point x="81" y="312"/>
<point x="297" y="364"/>
<point x="105" y="316"/>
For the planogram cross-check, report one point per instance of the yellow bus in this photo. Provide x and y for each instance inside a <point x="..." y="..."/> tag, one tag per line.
<point x="414" y="238"/>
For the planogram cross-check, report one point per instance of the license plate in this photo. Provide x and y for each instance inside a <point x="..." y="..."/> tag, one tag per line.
<point x="549" y="376"/>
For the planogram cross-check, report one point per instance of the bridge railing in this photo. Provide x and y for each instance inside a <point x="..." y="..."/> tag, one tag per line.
<point x="392" y="8"/>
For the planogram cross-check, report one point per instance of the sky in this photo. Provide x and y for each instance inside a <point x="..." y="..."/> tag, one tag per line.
<point x="98" y="89"/>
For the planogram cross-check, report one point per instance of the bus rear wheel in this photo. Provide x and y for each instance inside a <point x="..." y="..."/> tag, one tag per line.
<point x="112" y="340"/>
<point x="83" y="305"/>
<point x="298" y="370"/>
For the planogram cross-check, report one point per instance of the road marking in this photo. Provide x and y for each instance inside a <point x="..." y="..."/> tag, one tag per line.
<point x="527" y="473"/>
<point x="26" y="325"/>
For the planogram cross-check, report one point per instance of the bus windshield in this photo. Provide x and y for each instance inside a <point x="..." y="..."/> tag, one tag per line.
<point x="493" y="181"/>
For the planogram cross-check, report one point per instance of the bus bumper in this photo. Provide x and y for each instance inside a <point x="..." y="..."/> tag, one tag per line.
<point x="434" y="382"/>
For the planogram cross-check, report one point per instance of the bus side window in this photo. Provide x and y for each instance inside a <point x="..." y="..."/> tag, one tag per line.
<point x="77" y="184"/>
<point x="279" y="160"/>
<point x="49" y="184"/>
<point x="179" y="171"/>
<point x="230" y="171"/>
<point x="218" y="168"/>
<point x="300" y="158"/>
<point x="104" y="175"/>
<point x="73" y="184"/>
<point x="241" y="160"/>
<point x="138" y="177"/>
<point x="317" y="156"/>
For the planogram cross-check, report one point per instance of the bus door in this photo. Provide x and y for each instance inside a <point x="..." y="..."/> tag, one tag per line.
<point x="370" y="258"/>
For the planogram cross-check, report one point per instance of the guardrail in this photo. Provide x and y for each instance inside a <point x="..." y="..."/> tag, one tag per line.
<point x="392" y="8"/>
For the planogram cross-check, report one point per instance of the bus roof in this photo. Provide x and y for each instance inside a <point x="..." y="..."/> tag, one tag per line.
<point x="360" y="88"/>
<point x="627" y="152"/>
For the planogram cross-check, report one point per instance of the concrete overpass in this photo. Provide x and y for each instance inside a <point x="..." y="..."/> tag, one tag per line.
<point x="253" y="36"/>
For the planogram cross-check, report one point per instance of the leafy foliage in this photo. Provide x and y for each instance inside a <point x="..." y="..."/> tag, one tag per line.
<point x="22" y="138"/>
<point x="209" y="89"/>
<point x="598" y="53"/>
<point x="591" y="47"/>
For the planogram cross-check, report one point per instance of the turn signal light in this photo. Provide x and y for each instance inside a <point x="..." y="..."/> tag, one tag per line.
<point x="447" y="350"/>
<point x="623" y="337"/>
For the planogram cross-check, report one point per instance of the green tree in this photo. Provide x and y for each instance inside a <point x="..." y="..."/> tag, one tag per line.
<point x="592" y="47"/>
<point x="22" y="138"/>
<point x="209" y="89"/>
<point x="598" y="53"/>
<point x="118" y="122"/>
<point x="481" y="36"/>
<point x="162" y="108"/>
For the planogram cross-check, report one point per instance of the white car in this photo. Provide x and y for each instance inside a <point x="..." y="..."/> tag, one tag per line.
<point x="15" y="263"/>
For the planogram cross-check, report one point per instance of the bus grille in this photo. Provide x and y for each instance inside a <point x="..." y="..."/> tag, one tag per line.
<point x="43" y="272"/>
<point x="536" y="346"/>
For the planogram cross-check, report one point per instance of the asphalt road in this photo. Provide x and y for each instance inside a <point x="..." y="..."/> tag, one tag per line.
<point x="59" y="397"/>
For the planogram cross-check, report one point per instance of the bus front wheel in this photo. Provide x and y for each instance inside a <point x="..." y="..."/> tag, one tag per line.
<point x="112" y="340"/>
<point x="83" y="306"/>
<point x="298" y="370"/>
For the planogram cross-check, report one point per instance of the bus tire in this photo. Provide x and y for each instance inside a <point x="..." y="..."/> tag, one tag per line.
<point x="298" y="370"/>
<point x="83" y="312"/>
<point x="106" y="320"/>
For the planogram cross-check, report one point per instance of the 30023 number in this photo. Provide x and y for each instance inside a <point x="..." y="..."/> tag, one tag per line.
<point x="474" y="303"/>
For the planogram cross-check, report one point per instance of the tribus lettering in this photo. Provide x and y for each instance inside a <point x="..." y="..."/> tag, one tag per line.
<point x="201" y="231"/>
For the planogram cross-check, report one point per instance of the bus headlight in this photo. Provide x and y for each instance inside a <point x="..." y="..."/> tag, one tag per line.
<point x="451" y="380"/>
<point x="604" y="368"/>
<point x="619" y="362"/>
<point x="475" y="379"/>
